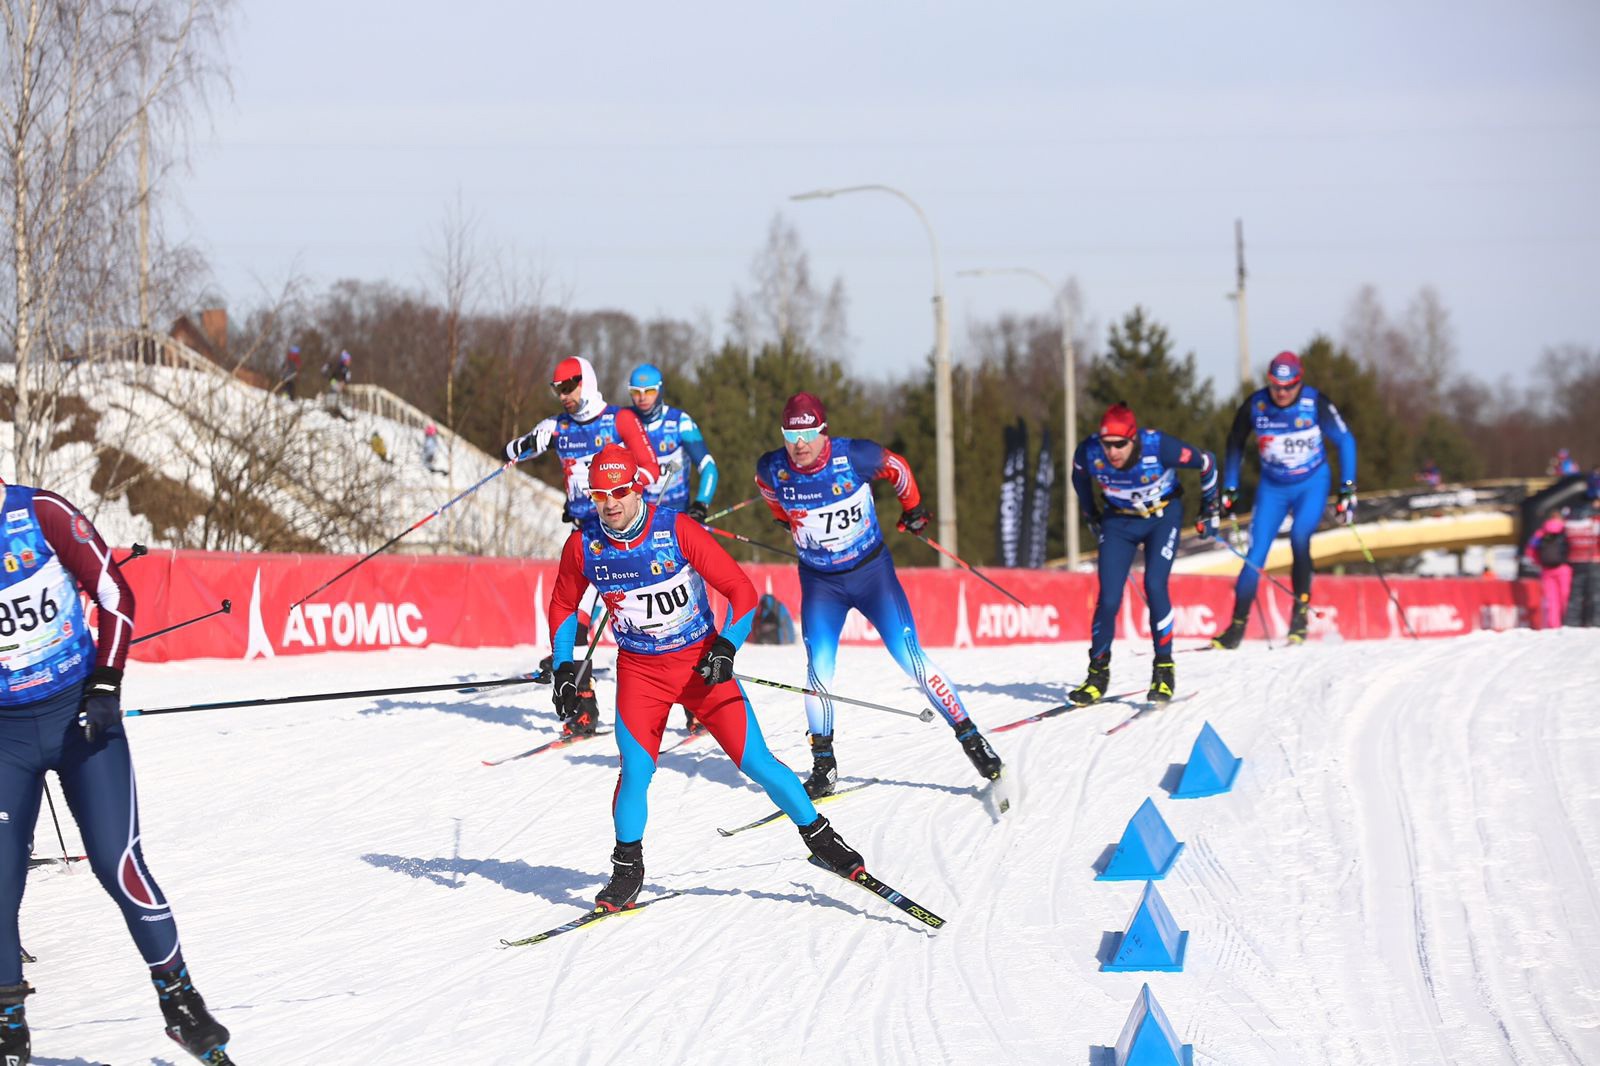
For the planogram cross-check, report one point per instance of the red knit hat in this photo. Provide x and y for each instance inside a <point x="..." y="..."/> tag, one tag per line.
<point x="1118" y="421"/>
<point x="804" y="411"/>
<point x="613" y="466"/>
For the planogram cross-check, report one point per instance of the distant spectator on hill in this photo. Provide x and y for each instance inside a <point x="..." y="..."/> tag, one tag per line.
<point x="1583" y="548"/>
<point x="289" y="374"/>
<point x="378" y="445"/>
<point x="1430" y="474"/>
<point x="338" y="375"/>
<point x="1550" y="551"/>
<point x="430" y="448"/>
<point x="1563" y="465"/>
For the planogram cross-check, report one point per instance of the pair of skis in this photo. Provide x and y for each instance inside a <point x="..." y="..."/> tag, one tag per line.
<point x="910" y="907"/>
<point x="1141" y="708"/>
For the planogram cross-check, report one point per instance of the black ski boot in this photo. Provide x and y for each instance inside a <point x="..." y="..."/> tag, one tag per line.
<point x="15" y="1044"/>
<point x="587" y="720"/>
<point x="1095" y="685"/>
<point x="1299" y="617"/>
<point x="1162" y="685"/>
<point x="979" y="751"/>
<point x="188" y="1021"/>
<point x="546" y="672"/>
<point x="824" y="770"/>
<point x="830" y="849"/>
<point x="627" y="877"/>
<point x="1229" y="638"/>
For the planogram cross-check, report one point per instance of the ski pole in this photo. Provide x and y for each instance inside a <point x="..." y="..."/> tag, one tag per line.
<point x="968" y="567"/>
<point x="424" y="520"/>
<point x="741" y="538"/>
<point x="138" y="551"/>
<point x="1376" y="569"/>
<point x="50" y="800"/>
<point x="583" y="670"/>
<point x="227" y="606"/>
<point x="314" y="697"/>
<point x="1276" y="581"/>
<point x="925" y="714"/>
<point x="729" y="510"/>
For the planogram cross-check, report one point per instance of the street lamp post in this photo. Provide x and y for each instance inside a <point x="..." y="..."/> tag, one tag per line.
<point x="1069" y="365"/>
<point x="943" y="414"/>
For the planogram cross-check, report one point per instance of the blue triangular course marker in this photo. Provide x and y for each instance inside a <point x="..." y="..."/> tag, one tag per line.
<point x="1153" y="940"/>
<point x="1211" y="767"/>
<point x="1147" y="850"/>
<point x="1148" y="1038"/>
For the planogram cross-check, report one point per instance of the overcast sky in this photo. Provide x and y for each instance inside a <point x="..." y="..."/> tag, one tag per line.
<point x="635" y="154"/>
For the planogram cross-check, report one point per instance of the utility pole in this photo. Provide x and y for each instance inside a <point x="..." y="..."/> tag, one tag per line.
<point x="1246" y="378"/>
<point x="144" y="220"/>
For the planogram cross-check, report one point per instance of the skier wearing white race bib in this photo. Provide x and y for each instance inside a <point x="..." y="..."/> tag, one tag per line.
<point x="586" y="424"/>
<point x="1293" y="423"/>
<point x="820" y="489"/>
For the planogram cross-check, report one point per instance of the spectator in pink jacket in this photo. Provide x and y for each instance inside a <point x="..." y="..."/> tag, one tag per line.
<point x="1549" y="551"/>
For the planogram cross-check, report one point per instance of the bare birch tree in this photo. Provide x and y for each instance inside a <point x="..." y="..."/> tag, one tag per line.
<point x="79" y="80"/>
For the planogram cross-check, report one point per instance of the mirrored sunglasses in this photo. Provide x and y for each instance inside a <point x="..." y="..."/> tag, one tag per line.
<point x="802" y="436"/>
<point x="645" y="393"/>
<point x="618" y="493"/>
<point x="1115" y="442"/>
<point x="563" y="388"/>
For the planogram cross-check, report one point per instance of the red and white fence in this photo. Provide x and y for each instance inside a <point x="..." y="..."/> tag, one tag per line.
<point x="413" y="601"/>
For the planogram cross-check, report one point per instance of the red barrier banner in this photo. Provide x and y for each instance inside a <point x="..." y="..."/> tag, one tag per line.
<point x="415" y="601"/>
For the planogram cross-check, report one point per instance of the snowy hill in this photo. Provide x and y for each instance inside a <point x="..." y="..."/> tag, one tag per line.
<point x="217" y="455"/>
<point x="1404" y="872"/>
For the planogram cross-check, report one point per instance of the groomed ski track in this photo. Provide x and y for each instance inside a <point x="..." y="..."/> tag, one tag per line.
<point x="1404" y="872"/>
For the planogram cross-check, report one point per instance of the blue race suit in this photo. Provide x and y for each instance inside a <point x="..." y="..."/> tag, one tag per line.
<point x="1292" y="444"/>
<point x="679" y="448"/>
<point x="46" y="658"/>
<point x="1144" y="507"/>
<point x="653" y="579"/>
<point x="831" y="514"/>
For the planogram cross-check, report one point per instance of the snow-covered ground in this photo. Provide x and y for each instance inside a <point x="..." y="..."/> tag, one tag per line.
<point x="1405" y="871"/>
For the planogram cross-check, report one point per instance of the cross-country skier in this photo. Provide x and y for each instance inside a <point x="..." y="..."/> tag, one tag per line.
<point x="1292" y="422"/>
<point x="61" y="710"/>
<point x="586" y="425"/>
<point x="677" y="444"/>
<point x="651" y="565"/>
<point x="820" y="488"/>
<point x="1137" y="471"/>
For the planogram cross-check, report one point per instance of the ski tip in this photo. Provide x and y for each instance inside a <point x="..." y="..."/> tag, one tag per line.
<point x="723" y="832"/>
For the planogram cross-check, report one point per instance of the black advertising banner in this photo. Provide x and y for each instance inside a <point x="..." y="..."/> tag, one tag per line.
<point x="1037" y="532"/>
<point x="1013" y="492"/>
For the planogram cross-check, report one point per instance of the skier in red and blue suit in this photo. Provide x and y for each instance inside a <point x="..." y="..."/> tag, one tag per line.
<point x="585" y="425"/>
<point x="61" y="710"/>
<point x="820" y="489"/>
<point x="1137" y="471"/>
<point x="651" y="566"/>
<point x="1292" y="422"/>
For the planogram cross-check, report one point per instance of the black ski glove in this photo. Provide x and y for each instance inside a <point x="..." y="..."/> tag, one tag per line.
<point x="698" y="511"/>
<point x="914" y="521"/>
<point x="1094" y="527"/>
<point x="1347" y="503"/>
<point x="566" y="513"/>
<point x="1229" y="498"/>
<point x="716" y="666"/>
<point x="101" y="709"/>
<point x="1210" y="524"/>
<point x="564" y="692"/>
